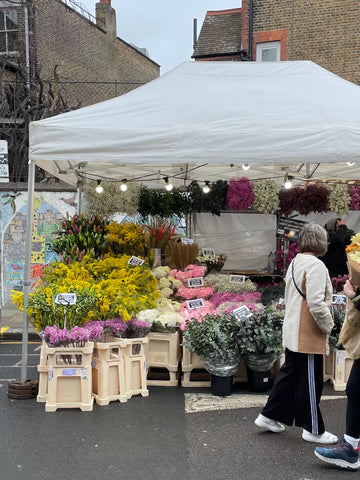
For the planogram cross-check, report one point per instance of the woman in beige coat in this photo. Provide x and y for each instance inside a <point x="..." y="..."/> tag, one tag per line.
<point x="307" y="324"/>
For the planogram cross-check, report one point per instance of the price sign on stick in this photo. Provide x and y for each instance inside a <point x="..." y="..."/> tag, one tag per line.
<point x="195" y="282"/>
<point x="196" y="303"/>
<point x="187" y="241"/>
<point x="66" y="299"/>
<point x="207" y="251"/>
<point x="338" y="299"/>
<point x="135" y="261"/>
<point x="242" y="313"/>
<point x="237" y="278"/>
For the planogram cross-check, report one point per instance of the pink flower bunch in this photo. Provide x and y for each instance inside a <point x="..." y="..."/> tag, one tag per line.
<point x="198" y="292"/>
<point x="240" y="195"/>
<point x="196" y="314"/>
<point x="55" y="336"/>
<point x="219" y="298"/>
<point x="355" y="198"/>
<point x="78" y="336"/>
<point x="137" y="328"/>
<point x="114" y="326"/>
<point x="191" y="271"/>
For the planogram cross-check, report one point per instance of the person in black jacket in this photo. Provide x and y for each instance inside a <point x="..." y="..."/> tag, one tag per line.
<point x="335" y="257"/>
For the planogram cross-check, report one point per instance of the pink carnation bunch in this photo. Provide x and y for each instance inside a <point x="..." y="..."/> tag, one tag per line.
<point x="250" y="297"/>
<point x="78" y="336"/>
<point x="198" y="292"/>
<point x="191" y="271"/>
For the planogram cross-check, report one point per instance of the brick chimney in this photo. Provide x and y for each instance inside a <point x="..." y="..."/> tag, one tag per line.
<point x="106" y="17"/>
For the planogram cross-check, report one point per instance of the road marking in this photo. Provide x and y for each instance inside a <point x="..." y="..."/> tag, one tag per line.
<point x="206" y="402"/>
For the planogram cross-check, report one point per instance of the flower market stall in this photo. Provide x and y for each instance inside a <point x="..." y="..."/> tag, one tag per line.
<point x="194" y="124"/>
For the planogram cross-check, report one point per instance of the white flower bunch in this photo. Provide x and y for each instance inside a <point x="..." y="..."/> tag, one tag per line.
<point x="213" y="259"/>
<point x="266" y="196"/>
<point x="339" y="199"/>
<point x="160" y="272"/>
<point x="221" y="283"/>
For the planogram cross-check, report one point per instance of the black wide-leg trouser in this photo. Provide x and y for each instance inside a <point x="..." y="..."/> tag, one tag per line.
<point x="353" y="404"/>
<point x="296" y="392"/>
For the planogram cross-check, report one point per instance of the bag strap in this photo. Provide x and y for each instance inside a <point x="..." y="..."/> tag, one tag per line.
<point x="297" y="288"/>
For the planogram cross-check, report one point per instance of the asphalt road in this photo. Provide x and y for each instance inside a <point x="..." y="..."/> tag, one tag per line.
<point x="153" y="438"/>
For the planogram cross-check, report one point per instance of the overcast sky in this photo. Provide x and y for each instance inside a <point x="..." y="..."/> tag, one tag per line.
<point x="163" y="27"/>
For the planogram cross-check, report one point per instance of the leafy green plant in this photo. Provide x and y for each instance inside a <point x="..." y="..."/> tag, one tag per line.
<point x="163" y="204"/>
<point x="272" y="293"/>
<point x="214" y="201"/>
<point x="80" y="235"/>
<point x="262" y="332"/>
<point x="215" y="338"/>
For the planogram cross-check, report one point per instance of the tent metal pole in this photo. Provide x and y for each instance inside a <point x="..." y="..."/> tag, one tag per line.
<point x="28" y="245"/>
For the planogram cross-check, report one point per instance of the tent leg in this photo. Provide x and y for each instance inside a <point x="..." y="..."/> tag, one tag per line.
<point x="28" y="244"/>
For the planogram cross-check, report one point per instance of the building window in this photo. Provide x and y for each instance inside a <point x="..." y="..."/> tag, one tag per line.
<point x="268" y="52"/>
<point x="8" y="31"/>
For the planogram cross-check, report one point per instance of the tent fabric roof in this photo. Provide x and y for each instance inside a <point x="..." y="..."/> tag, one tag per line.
<point x="199" y="118"/>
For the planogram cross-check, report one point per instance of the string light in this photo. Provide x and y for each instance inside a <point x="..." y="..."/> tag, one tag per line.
<point x="168" y="185"/>
<point x="288" y="181"/>
<point x="99" y="188"/>
<point x="123" y="186"/>
<point x="351" y="164"/>
<point x="245" y="166"/>
<point x="206" y="187"/>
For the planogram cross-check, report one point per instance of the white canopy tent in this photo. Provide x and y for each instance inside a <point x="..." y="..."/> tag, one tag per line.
<point x="200" y="118"/>
<point x="201" y="121"/>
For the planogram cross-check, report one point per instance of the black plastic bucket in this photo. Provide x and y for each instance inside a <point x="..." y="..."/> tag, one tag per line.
<point x="221" y="386"/>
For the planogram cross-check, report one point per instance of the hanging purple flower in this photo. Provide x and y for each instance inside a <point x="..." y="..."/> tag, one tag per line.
<point x="240" y="195"/>
<point x="355" y="198"/>
<point x="289" y="200"/>
<point x="314" y="198"/>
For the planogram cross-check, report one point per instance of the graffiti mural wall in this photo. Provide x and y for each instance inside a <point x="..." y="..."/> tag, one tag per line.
<point x="49" y="208"/>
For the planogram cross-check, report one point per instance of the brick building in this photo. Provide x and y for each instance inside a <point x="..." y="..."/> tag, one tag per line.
<point x="328" y="33"/>
<point x="60" y="57"/>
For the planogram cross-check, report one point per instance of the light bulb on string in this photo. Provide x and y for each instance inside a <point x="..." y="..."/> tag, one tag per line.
<point x="245" y="166"/>
<point x="123" y="186"/>
<point x="168" y="185"/>
<point x="206" y="187"/>
<point x="99" y="188"/>
<point x="288" y="182"/>
<point x="351" y="164"/>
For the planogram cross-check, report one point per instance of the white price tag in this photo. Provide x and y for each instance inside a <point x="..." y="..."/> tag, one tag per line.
<point x="66" y="299"/>
<point x="338" y="299"/>
<point x="195" y="282"/>
<point x="208" y="251"/>
<point x="281" y="301"/>
<point x="135" y="261"/>
<point x="187" y="241"/>
<point x="237" y="278"/>
<point x="196" y="303"/>
<point x="242" y="313"/>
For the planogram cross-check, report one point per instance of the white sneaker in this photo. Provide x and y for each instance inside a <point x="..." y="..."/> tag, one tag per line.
<point x="325" y="438"/>
<point x="268" y="424"/>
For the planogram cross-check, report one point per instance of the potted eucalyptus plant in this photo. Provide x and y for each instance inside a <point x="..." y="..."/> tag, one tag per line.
<point x="260" y="341"/>
<point x="214" y="338"/>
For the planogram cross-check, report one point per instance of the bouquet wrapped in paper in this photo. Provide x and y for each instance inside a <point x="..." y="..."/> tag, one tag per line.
<point x="350" y="333"/>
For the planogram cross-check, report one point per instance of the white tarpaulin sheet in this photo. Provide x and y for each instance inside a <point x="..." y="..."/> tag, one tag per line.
<point x="213" y="113"/>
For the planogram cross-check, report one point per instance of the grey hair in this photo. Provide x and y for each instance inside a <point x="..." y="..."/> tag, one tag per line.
<point x="313" y="238"/>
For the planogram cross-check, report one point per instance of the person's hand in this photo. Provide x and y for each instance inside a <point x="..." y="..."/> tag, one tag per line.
<point x="340" y="222"/>
<point x="349" y="289"/>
